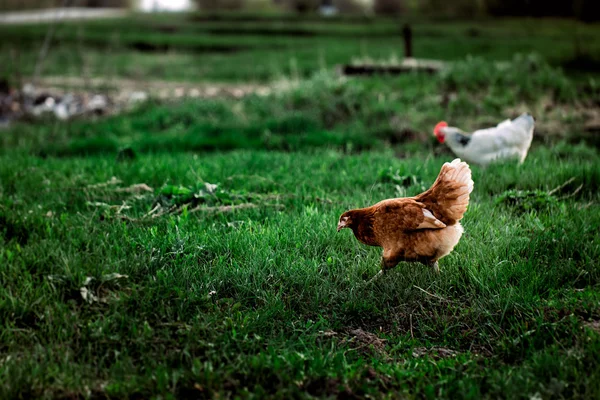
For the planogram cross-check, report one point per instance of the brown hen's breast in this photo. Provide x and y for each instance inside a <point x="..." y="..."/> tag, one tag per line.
<point x="364" y="233"/>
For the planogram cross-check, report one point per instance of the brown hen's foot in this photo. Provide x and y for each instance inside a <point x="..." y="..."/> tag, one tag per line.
<point x="436" y="267"/>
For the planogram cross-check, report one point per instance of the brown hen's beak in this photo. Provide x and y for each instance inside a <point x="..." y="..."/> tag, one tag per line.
<point x="341" y="225"/>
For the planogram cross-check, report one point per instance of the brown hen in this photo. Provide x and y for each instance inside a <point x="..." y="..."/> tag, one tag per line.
<point x="423" y="228"/>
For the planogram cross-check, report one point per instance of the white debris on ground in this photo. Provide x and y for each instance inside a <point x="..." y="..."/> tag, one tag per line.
<point x="65" y="98"/>
<point x="63" y="105"/>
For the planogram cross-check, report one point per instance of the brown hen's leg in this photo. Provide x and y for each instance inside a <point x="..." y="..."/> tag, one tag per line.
<point x="389" y="260"/>
<point x="387" y="263"/>
<point x="435" y="266"/>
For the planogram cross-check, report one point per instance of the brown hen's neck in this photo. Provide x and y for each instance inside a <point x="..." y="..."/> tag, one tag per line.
<point x="362" y="225"/>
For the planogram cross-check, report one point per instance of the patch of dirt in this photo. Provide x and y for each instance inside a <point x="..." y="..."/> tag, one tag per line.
<point x="435" y="352"/>
<point x="593" y="325"/>
<point x="365" y="340"/>
<point x="369" y="339"/>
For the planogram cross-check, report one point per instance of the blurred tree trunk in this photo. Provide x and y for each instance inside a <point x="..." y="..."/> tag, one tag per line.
<point x="407" y="35"/>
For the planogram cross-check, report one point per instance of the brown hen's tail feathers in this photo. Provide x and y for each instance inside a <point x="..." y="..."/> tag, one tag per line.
<point x="448" y="197"/>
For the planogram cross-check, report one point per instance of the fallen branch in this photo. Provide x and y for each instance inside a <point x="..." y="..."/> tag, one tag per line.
<point x="376" y="277"/>
<point x="230" y="208"/>
<point x="585" y="206"/>
<point x="110" y="182"/>
<point x="136" y="189"/>
<point x="224" y="209"/>
<point x="149" y="213"/>
<point x="556" y="189"/>
<point x="574" y="193"/>
<point x="124" y="206"/>
<point x="431" y="294"/>
<point x="169" y="210"/>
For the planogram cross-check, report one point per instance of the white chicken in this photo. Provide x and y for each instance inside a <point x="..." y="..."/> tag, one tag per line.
<point x="508" y="140"/>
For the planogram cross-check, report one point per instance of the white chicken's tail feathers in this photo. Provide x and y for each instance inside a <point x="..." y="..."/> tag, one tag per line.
<point x="448" y="197"/>
<point x="524" y="121"/>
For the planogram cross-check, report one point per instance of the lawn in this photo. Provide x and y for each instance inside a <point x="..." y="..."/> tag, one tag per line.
<point x="189" y="249"/>
<point x="195" y="47"/>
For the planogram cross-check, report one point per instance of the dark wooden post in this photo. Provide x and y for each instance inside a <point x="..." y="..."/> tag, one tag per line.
<point x="407" y="34"/>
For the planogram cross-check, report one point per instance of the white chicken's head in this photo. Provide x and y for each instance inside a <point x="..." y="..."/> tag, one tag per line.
<point x="439" y="131"/>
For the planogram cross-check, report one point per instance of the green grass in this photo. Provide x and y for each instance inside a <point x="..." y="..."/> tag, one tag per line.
<point x="183" y="289"/>
<point x="185" y="48"/>
<point x="327" y="111"/>
<point x="238" y="302"/>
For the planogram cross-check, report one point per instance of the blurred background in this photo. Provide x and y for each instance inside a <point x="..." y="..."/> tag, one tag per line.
<point x="585" y="10"/>
<point x="473" y="60"/>
<point x="172" y="173"/>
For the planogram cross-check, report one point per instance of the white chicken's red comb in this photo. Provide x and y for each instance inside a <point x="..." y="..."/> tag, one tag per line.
<point x="441" y="124"/>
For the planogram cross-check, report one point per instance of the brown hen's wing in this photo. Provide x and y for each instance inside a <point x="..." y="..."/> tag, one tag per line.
<point x="448" y="197"/>
<point x="403" y="215"/>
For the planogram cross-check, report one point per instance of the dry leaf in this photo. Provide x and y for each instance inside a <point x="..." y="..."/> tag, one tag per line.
<point x="113" y="276"/>
<point x="328" y="333"/>
<point x="87" y="295"/>
<point x="97" y="204"/>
